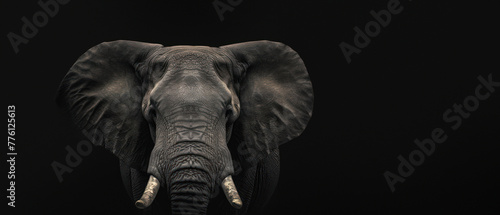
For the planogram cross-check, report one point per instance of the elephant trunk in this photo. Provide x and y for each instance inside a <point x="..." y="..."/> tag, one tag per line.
<point x="191" y="183"/>
<point x="190" y="158"/>
<point x="189" y="197"/>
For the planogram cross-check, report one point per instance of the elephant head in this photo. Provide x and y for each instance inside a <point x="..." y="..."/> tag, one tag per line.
<point x="170" y="111"/>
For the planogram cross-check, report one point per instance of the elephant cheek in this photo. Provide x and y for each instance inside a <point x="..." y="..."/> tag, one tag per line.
<point x="157" y="164"/>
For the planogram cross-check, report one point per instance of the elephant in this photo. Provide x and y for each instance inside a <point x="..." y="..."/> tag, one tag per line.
<point x="191" y="122"/>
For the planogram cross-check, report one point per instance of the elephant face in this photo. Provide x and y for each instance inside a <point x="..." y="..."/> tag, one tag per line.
<point x="191" y="106"/>
<point x="171" y="111"/>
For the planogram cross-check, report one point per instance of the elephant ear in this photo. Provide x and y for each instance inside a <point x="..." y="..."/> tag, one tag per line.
<point x="103" y="96"/>
<point x="276" y="97"/>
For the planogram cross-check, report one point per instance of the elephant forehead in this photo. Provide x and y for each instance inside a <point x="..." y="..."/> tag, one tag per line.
<point x="207" y="60"/>
<point x="191" y="59"/>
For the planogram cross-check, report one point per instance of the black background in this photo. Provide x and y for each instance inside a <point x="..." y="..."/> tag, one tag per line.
<point x="366" y="113"/>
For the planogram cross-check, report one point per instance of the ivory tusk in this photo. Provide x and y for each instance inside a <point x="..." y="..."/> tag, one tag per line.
<point x="231" y="193"/>
<point x="149" y="193"/>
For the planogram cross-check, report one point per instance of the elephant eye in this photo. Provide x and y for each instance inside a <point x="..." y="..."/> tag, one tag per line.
<point x="151" y="113"/>
<point x="229" y="111"/>
<point x="231" y="114"/>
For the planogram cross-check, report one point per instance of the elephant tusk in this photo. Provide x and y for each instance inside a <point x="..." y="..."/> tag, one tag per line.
<point x="231" y="193"/>
<point x="149" y="193"/>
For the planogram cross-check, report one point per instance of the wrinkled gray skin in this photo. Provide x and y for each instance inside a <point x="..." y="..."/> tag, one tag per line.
<point x="190" y="116"/>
